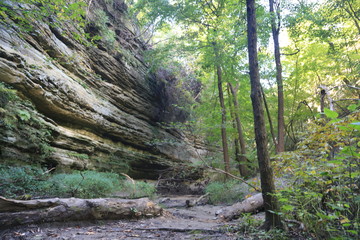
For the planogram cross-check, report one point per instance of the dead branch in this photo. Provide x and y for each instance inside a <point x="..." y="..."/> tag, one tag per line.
<point x="249" y="205"/>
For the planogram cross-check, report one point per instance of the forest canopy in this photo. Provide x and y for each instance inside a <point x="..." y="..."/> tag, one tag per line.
<point x="308" y="67"/>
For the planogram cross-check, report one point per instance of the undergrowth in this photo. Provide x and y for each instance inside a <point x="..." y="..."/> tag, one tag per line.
<point x="249" y="228"/>
<point x="32" y="182"/>
<point x="325" y="174"/>
<point x="224" y="192"/>
<point x="87" y="184"/>
<point x="139" y="189"/>
<point x="20" y="122"/>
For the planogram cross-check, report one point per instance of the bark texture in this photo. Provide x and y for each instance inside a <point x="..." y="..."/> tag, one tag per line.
<point x="269" y="117"/>
<point x="275" y="27"/>
<point x="240" y="136"/>
<point x="249" y="205"/>
<point x="223" y="111"/>
<point x="17" y="212"/>
<point x="267" y="179"/>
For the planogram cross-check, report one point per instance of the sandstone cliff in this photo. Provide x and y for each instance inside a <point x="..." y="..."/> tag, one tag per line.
<point x="95" y="107"/>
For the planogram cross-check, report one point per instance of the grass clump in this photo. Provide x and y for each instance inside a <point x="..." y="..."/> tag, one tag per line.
<point x="16" y="182"/>
<point x="224" y="192"/>
<point x="33" y="182"/>
<point x="138" y="189"/>
<point x="87" y="184"/>
<point x="21" y="181"/>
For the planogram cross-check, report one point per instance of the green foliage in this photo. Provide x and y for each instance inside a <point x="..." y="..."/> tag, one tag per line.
<point x="106" y="34"/>
<point x="138" y="189"/>
<point x="59" y="13"/>
<point x="81" y="156"/>
<point x="17" y="181"/>
<point x="6" y="95"/>
<point x="330" y="114"/>
<point x="87" y="184"/>
<point x="325" y="171"/>
<point x="32" y="181"/>
<point x="19" y="118"/>
<point x="224" y="192"/>
<point x="24" y="12"/>
<point x="23" y="115"/>
<point x="250" y="228"/>
<point x="248" y="224"/>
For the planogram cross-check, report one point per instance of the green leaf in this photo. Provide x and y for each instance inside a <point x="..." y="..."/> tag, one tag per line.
<point x="23" y="115"/>
<point x="338" y="162"/>
<point x="352" y="231"/>
<point x="330" y="114"/>
<point x="355" y="125"/>
<point x="352" y="107"/>
<point x="283" y="200"/>
<point x="288" y="207"/>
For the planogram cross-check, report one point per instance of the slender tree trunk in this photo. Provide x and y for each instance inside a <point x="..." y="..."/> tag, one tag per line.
<point x="280" y="147"/>
<point x="236" y="140"/>
<point x="269" y="118"/>
<point x="322" y="102"/>
<point x="267" y="179"/>
<point x="223" y="120"/>
<point x="223" y="110"/>
<point x="243" y="160"/>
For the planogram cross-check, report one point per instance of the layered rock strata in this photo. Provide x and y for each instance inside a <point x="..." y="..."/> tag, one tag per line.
<point x="101" y="106"/>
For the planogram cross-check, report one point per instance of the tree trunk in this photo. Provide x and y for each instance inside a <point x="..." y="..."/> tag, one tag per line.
<point x="223" y="110"/>
<point x="325" y="92"/>
<point x="269" y="118"/>
<point x="236" y="139"/>
<point x="17" y="212"/>
<point x="280" y="147"/>
<point x="223" y="120"/>
<point x="272" y="219"/>
<point x="243" y="160"/>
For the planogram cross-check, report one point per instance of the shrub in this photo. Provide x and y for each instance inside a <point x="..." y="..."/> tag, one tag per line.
<point x="139" y="189"/>
<point x="325" y="170"/>
<point x="101" y="21"/>
<point x="17" y="181"/>
<point x="31" y="181"/>
<point x="6" y="95"/>
<point x="250" y="228"/>
<point x="88" y="184"/>
<point x="224" y="192"/>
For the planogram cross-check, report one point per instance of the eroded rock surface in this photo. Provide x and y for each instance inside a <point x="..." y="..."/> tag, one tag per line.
<point x="100" y="105"/>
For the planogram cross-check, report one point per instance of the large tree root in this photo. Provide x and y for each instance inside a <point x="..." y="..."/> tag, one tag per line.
<point x="17" y="212"/>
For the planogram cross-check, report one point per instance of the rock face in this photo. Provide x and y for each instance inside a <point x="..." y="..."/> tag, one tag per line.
<point x="99" y="106"/>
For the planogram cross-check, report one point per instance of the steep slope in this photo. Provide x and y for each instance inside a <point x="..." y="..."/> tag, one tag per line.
<point x="95" y="107"/>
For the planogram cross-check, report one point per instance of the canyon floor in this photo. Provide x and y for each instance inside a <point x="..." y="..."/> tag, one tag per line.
<point x="177" y="222"/>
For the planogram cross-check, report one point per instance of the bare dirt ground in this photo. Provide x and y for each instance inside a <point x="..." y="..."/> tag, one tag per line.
<point x="178" y="222"/>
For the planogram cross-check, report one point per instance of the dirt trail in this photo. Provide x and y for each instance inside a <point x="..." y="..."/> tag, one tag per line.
<point x="178" y="222"/>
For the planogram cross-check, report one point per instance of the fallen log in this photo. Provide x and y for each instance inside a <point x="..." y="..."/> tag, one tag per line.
<point x="18" y="212"/>
<point x="249" y="205"/>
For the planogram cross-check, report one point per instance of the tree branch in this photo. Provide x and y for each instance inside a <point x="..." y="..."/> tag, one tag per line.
<point x="347" y="99"/>
<point x="290" y="54"/>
